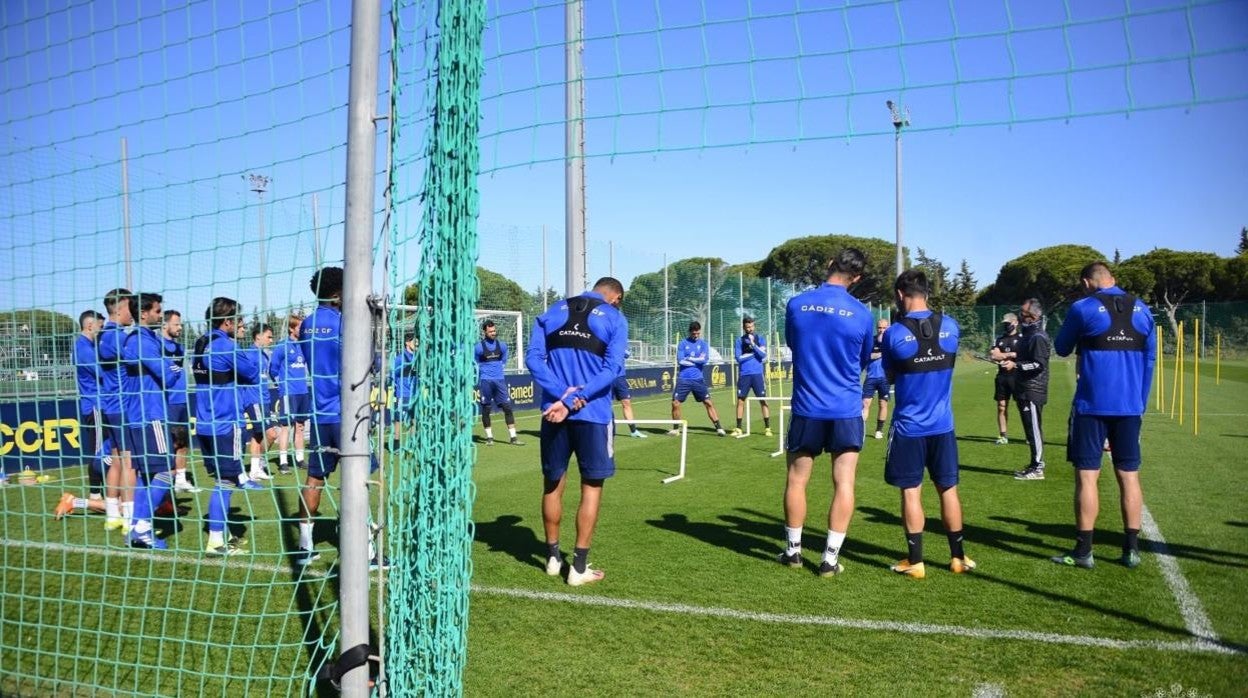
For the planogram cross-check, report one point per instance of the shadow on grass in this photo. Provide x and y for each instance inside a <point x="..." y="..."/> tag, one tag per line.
<point x="314" y="640"/>
<point x="1013" y="442"/>
<point x="1008" y="472"/>
<point x="1066" y="531"/>
<point x="506" y="535"/>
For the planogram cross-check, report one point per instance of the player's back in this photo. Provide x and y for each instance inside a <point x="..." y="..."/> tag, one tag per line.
<point x="108" y="356"/>
<point x="212" y="363"/>
<point x="830" y="334"/>
<point x="575" y="356"/>
<point x="321" y="341"/>
<point x="87" y="373"/>
<point x="922" y="370"/>
<point x="1116" y="353"/>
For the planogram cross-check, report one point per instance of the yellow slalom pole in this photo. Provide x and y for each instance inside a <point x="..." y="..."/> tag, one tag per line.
<point x="1196" y="381"/>
<point x="1182" y="372"/>
<point x="1174" y="380"/>
<point x="1161" y="372"/>
<point x="1217" y="362"/>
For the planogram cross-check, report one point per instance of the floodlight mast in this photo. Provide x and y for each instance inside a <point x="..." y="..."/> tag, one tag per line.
<point x="900" y="119"/>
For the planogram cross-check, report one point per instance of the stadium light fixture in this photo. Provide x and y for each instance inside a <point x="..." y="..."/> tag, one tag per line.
<point x="901" y="119"/>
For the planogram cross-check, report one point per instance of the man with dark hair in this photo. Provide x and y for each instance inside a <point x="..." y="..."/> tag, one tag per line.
<point x="214" y="363"/>
<point x="1031" y="386"/>
<point x="120" y="478"/>
<point x="148" y="374"/>
<point x="1116" y="339"/>
<point x="751" y="355"/>
<point x="919" y="354"/>
<point x="491" y="354"/>
<point x="829" y="332"/>
<point x="179" y="419"/>
<point x="87" y="373"/>
<point x="290" y="368"/>
<point x="253" y="398"/>
<point x="875" y="385"/>
<point x="575" y="353"/>
<point x="691" y="356"/>
<point x="1005" y="348"/>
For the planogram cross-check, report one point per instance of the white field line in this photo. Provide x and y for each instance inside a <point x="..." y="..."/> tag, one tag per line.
<point x="1194" y="617"/>
<point x="859" y="624"/>
<point x="236" y="562"/>
<point x="988" y="690"/>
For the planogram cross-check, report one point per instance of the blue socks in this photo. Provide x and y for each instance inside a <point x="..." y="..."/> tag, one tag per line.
<point x="219" y="506"/>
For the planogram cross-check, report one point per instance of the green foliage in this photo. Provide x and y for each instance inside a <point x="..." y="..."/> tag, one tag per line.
<point x="39" y="323"/>
<point x="1230" y="279"/>
<point x="804" y="261"/>
<point x="1242" y="248"/>
<point x="686" y="281"/>
<point x="937" y="278"/>
<point x="749" y="269"/>
<point x="1168" y="278"/>
<point x="1050" y="274"/>
<point x="962" y="291"/>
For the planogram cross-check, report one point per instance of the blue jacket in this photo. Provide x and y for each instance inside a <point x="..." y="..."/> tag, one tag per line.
<point x="216" y="400"/>
<point x="923" y="401"/>
<point x="249" y="381"/>
<point x="289" y="368"/>
<point x="491" y="359"/>
<point x="108" y="357"/>
<point x="177" y="354"/>
<point x="149" y="372"/>
<point x="751" y="358"/>
<point x="563" y="352"/>
<point x="87" y="372"/>
<point x="403" y="375"/>
<point x="875" y="369"/>
<point x="691" y="356"/>
<point x="320" y="338"/>
<point x="1111" y="382"/>
<point x="830" y="333"/>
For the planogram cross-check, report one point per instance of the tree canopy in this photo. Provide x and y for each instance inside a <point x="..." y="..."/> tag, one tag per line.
<point x="1167" y="279"/>
<point x="1050" y="274"/>
<point x="804" y="261"/>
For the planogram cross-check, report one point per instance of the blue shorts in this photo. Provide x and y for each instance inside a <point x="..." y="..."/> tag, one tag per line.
<point x="1085" y="441"/>
<point x="873" y="387"/>
<point x="620" y="389"/>
<point x="294" y="409"/>
<point x="179" y="426"/>
<point x="178" y="415"/>
<point x="813" y="436"/>
<point x="322" y="463"/>
<point x="257" y="421"/>
<point x="494" y="392"/>
<point x="223" y="455"/>
<point x="94" y="441"/>
<point x="593" y="444"/>
<point x="909" y="456"/>
<point x="114" y="432"/>
<point x="750" y="382"/>
<point x="685" y="386"/>
<point x="152" y="448"/>
<point x="404" y="409"/>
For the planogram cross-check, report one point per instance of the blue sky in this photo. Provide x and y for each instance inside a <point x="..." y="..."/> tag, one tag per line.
<point x="716" y="128"/>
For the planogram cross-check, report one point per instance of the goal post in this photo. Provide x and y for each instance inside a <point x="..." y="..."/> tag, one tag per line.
<point x="510" y="325"/>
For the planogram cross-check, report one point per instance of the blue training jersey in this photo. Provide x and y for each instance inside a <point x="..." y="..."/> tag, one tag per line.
<point x="1112" y="381"/>
<point x="923" y="400"/>
<point x="249" y="382"/>
<point x="289" y="368"/>
<point x="691" y="356"/>
<point x="403" y="375"/>
<point x="87" y="373"/>
<point x="491" y="358"/>
<point x="149" y="372"/>
<point x="875" y="369"/>
<point x="176" y="393"/>
<point x="751" y="352"/>
<point x="216" y="400"/>
<point x="320" y="338"/>
<point x="579" y="341"/>
<point x="108" y="357"/>
<point x="829" y="332"/>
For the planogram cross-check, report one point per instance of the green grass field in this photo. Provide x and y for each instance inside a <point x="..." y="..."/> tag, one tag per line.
<point x="694" y="601"/>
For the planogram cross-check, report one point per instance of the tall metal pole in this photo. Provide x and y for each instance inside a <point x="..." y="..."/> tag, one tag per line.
<point x="574" y="131"/>
<point x="357" y="337"/>
<point x="259" y="183"/>
<point x="899" y="121"/>
<point x="125" y="213"/>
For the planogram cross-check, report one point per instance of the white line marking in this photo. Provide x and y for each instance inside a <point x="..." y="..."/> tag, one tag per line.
<point x="881" y="625"/>
<point x="1193" y="612"/>
<point x="170" y="558"/>
<point x="988" y="690"/>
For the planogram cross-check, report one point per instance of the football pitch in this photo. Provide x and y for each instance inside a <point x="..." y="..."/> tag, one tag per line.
<point x="694" y="601"/>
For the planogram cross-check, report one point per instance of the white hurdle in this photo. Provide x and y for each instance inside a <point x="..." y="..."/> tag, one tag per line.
<point x="749" y="402"/>
<point x="684" y="440"/>
<point x="780" y="434"/>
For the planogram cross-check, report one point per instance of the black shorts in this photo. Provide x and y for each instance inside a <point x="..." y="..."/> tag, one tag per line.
<point x="1005" y="385"/>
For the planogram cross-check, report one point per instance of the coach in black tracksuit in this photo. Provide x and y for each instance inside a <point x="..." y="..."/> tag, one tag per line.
<point x="1031" y="384"/>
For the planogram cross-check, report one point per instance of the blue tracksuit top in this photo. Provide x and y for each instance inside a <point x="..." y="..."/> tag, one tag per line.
<point x="216" y="400"/>
<point x="175" y="352"/>
<point x="320" y="338"/>
<point x="108" y="357"/>
<point x="559" y="367"/>
<point x="1111" y="382"/>
<point x="87" y="373"/>
<point x="923" y="402"/>
<point x="829" y="332"/>
<point x="289" y="368"/>
<point x="691" y="356"/>
<point x="491" y="358"/>
<point x="751" y="358"/>
<point x="403" y="375"/>
<point x="875" y="369"/>
<point x="149" y="371"/>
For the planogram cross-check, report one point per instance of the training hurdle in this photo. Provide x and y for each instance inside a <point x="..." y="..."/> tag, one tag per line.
<point x="749" y="401"/>
<point x="684" y="440"/>
<point x="780" y="433"/>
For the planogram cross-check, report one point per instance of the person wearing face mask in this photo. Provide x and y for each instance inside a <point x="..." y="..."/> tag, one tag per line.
<point x="1031" y="384"/>
<point x="1005" y="348"/>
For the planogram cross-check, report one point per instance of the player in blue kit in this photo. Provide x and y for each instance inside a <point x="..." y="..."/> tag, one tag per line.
<point x="691" y="356"/>
<point x="575" y="354"/>
<point x="119" y="480"/>
<point x="405" y="378"/>
<point x="96" y="446"/>
<point x="290" y="370"/>
<point x="750" y="350"/>
<point x="919" y="354"/>
<point x="253" y="396"/>
<point x="829" y="332"/>
<point x="491" y="354"/>
<point x="620" y="391"/>
<point x="875" y="385"/>
<point x="1116" y="339"/>
<point x="217" y="424"/>
<point x="179" y="419"/>
<point x="148" y="373"/>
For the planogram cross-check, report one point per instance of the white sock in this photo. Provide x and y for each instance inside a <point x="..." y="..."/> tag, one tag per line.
<point x="299" y="455"/>
<point x="95" y="497"/>
<point x="281" y="457"/>
<point x="143" y="526"/>
<point x="112" y="507"/>
<point x="372" y="550"/>
<point x="833" y="549"/>
<point x="257" y="464"/>
<point x="511" y="430"/>
<point x="792" y="540"/>
<point x="489" y="432"/>
<point x="216" y="539"/>
<point x="80" y="503"/>
<point x="179" y="477"/>
<point x="243" y="478"/>
<point x="127" y="511"/>
<point x="305" y="536"/>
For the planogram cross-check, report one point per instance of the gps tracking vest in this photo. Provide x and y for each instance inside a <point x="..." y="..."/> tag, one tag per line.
<point x="931" y="356"/>
<point x="1121" y="335"/>
<point x="488" y="354"/>
<point x="575" y="333"/>
<point x="199" y="365"/>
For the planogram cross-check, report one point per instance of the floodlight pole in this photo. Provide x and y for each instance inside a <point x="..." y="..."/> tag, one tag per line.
<point x="899" y="120"/>
<point x="574" y="133"/>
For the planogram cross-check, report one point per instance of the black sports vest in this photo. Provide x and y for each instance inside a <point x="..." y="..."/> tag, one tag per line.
<point x="488" y="354"/>
<point x="1121" y="335"/>
<point x="576" y="333"/>
<point x="199" y="367"/>
<point x="1007" y="343"/>
<point x="930" y="356"/>
<point x="747" y="349"/>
